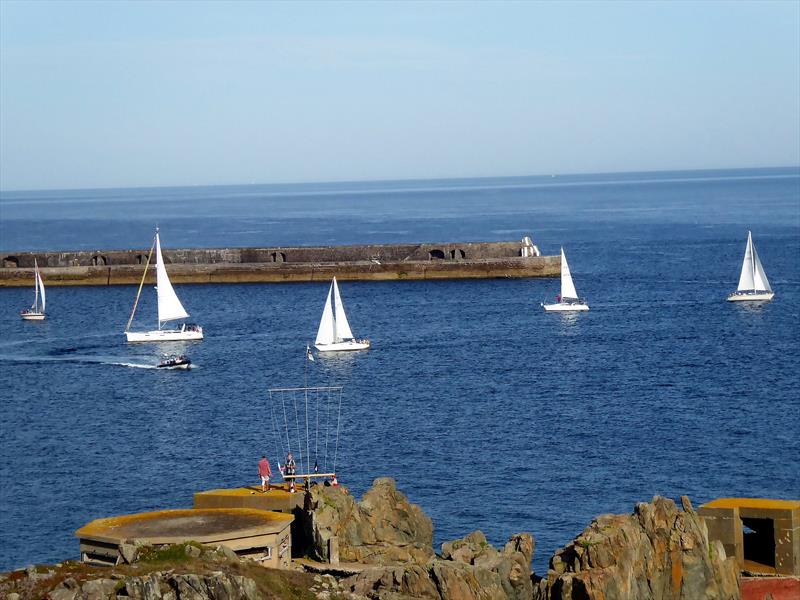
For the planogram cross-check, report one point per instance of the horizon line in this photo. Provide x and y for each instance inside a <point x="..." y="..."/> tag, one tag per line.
<point x="400" y="180"/>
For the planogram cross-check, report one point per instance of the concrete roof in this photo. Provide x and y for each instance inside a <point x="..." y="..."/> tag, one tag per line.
<point x="208" y="525"/>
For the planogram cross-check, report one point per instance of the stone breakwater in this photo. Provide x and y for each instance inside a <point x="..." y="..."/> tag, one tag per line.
<point x="659" y="552"/>
<point x="470" y="260"/>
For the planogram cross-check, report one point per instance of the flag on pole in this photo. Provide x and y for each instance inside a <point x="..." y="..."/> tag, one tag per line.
<point x="309" y="356"/>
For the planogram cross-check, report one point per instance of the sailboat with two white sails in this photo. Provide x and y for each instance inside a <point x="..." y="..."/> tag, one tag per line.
<point x="334" y="334"/>
<point x="753" y="283"/>
<point x="568" y="300"/>
<point x="35" y="312"/>
<point x="169" y="307"/>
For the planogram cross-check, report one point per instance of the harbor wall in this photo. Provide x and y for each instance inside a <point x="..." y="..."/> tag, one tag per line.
<point x="472" y="260"/>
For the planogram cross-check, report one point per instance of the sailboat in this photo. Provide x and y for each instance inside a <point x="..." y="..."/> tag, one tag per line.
<point x="334" y="331"/>
<point x="753" y="284"/>
<point x="568" y="299"/>
<point x="35" y="313"/>
<point x="169" y="307"/>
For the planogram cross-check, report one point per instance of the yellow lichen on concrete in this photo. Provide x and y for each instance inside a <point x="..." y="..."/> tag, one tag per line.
<point x="763" y="503"/>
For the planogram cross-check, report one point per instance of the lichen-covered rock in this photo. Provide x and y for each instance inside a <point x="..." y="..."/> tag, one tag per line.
<point x="383" y="528"/>
<point x="469" y="569"/>
<point x="657" y="553"/>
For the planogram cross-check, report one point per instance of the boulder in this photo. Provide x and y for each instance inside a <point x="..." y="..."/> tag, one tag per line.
<point x="383" y="528"/>
<point x="657" y="553"/>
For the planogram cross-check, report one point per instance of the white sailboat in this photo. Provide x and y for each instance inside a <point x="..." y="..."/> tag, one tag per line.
<point x="35" y="312"/>
<point x="753" y="283"/>
<point x="568" y="299"/>
<point x="169" y="308"/>
<point x="334" y="333"/>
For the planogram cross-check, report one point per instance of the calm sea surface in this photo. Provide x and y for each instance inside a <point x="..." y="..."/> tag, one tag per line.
<point x="490" y="414"/>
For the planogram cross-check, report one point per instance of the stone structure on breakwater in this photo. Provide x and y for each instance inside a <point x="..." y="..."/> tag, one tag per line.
<point x="471" y="260"/>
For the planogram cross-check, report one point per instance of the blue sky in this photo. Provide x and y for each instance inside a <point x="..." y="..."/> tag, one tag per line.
<point x="106" y="94"/>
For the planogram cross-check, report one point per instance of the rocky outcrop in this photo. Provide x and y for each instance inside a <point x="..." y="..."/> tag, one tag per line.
<point x="384" y="528"/>
<point x="469" y="569"/>
<point x="657" y="553"/>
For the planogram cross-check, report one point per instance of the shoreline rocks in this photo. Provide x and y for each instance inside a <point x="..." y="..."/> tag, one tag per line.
<point x="658" y="552"/>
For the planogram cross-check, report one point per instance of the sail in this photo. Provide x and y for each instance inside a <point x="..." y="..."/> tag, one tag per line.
<point x="567" y="287"/>
<point x="325" y="333"/>
<point x="342" y="326"/>
<point x="169" y="307"/>
<point x="35" y="306"/>
<point x="40" y="286"/>
<point x="746" y="281"/>
<point x="759" y="277"/>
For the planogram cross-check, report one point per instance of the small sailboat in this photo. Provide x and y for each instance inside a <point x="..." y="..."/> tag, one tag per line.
<point x="568" y="299"/>
<point x="169" y="307"/>
<point x="334" y="331"/>
<point x="35" y="312"/>
<point x="753" y="283"/>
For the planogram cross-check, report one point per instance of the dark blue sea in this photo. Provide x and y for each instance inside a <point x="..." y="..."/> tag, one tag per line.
<point x="488" y="412"/>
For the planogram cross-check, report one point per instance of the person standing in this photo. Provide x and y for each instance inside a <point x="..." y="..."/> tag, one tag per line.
<point x="291" y="469"/>
<point x="264" y="471"/>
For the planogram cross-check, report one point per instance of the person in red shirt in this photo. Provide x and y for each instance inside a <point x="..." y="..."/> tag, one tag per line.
<point x="265" y="472"/>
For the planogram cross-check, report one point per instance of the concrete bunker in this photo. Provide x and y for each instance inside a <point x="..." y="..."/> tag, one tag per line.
<point x="278" y="257"/>
<point x="435" y="254"/>
<point x="763" y="534"/>
<point x="260" y="535"/>
<point x="11" y="262"/>
<point x="458" y="254"/>
<point x="99" y="260"/>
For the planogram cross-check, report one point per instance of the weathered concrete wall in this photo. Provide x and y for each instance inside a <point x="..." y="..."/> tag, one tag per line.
<point x="245" y="265"/>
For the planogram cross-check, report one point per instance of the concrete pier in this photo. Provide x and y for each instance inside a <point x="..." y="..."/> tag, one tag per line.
<point x="469" y="260"/>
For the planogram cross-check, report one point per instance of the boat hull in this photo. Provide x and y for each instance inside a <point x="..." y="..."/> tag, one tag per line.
<point x="760" y="296"/>
<point x="180" y="367"/>
<point x="566" y="307"/>
<point x="347" y="346"/>
<point x="32" y="316"/>
<point x="165" y="335"/>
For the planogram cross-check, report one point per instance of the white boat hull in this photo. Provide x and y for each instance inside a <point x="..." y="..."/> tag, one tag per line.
<point x="346" y="346"/>
<point x="760" y="296"/>
<point x="32" y="316"/>
<point x="566" y="307"/>
<point x="165" y="335"/>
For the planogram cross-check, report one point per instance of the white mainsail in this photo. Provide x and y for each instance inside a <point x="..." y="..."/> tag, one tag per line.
<point x="341" y="326"/>
<point x="753" y="276"/>
<point x="39" y="285"/>
<point x="326" y="334"/>
<point x="169" y="307"/>
<point x="567" y="287"/>
<point x="746" y="278"/>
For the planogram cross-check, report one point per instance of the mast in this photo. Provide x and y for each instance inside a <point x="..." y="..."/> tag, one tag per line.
<point x="752" y="257"/>
<point x="141" y="283"/>
<point x="36" y="286"/>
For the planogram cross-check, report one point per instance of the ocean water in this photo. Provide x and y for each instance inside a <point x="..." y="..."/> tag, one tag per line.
<point x="488" y="412"/>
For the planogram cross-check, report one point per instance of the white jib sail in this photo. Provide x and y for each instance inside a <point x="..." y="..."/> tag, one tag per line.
<point x="325" y="333"/>
<point x="35" y="286"/>
<point x="40" y="286"/>
<point x="746" y="282"/>
<point x="169" y="307"/>
<point x="342" y="326"/>
<point x="567" y="287"/>
<point x="759" y="277"/>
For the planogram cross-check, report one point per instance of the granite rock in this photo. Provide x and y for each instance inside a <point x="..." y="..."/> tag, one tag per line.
<point x="657" y="553"/>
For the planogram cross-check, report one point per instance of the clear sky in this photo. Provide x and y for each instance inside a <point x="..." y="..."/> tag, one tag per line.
<point x="105" y="94"/>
